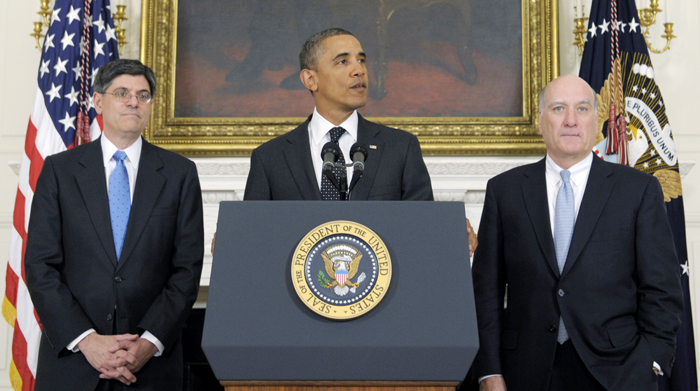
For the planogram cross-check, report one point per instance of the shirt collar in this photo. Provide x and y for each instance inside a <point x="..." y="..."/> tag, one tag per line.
<point x="320" y="126"/>
<point x="133" y="152"/>
<point x="579" y="171"/>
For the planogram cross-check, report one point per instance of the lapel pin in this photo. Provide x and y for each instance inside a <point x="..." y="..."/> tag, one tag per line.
<point x="371" y="146"/>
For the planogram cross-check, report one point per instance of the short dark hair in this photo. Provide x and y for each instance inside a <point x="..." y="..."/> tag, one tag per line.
<point x="310" y="52"/>
<point x="110" y="71"/>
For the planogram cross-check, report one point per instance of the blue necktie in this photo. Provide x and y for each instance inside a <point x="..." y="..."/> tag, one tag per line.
<point x="119" y="201"/>
<point x="328" y="191"/>
<point x="564" y="217"/>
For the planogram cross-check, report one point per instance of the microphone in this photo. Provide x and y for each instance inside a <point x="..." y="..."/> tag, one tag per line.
<point x="359" y="155"/>
<point x="330" y="154"/>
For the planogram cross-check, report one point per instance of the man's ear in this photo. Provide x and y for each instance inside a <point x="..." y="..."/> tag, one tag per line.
<point x="308" y="78"/>
<point x="97" y="102"/>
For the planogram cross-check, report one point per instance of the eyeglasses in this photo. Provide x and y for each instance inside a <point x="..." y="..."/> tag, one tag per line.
<point x="124" y="96"/>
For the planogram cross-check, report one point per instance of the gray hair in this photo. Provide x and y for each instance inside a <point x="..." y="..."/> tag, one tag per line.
<point x="310" y="52"/>
<point x="541" y="98"/>
<point x="108" y="72"/>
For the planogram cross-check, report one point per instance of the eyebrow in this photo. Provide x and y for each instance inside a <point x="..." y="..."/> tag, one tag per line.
<point x="124" y="88"/>
<point x="345" y="54"/>
<point x="559" y="101"/>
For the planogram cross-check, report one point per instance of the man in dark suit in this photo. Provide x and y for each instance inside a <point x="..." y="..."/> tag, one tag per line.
<point x="582" y="253"/>
<point x="114" y="249"/>
<point x="289" y="167"/>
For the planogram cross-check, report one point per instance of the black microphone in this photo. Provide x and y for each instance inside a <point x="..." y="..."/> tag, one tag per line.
<point x="330" y="153"/>
<point x="359" y="155"/>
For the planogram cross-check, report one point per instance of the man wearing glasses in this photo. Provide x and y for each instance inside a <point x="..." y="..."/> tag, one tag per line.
<point x="114" y="249"/>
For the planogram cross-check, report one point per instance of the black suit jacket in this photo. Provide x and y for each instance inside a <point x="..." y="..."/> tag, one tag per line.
<point x="282" y="169"/>
<point x="619" y="292"/>
<point x="75" y="280"/>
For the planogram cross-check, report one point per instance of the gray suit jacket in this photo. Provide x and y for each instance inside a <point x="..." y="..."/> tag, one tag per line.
<point x="281" y="169"/>
<point x="75" y="280"/>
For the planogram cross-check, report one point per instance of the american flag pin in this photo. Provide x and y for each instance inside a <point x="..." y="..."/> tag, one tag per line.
<point x="371" y="146"/>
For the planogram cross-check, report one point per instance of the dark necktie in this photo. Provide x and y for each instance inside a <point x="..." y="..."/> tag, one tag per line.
<point x="119" y="201"/>
<point x="328" y="191"/>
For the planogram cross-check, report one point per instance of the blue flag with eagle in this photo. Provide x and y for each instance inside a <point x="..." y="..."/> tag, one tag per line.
<point x="634" y="130"/>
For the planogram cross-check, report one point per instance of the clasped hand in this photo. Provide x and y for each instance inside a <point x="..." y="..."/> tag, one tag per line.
<point x="117" y="356"/>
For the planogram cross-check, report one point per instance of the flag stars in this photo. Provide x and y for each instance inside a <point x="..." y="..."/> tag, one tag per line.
<point x="644" y="91"/>
<point x="633" y="25"/>
<point x="92" y="77"/>
<point x="658" y="162"/>
<point x="53" y="92"/>
<point x="653" y="95"/>
<point x="98" y="48"/>
<point x="646" y="165"/>
<point x="60" y="66"/>
<point x="100" y="24"/>
<point x="44" y="68"/>
<point x="55" y="17"/>
<point x="653" y="152"/>
<point x="635" y="88"/>
<point x="73" y="15"/>
<point x="67" y="40"/>
<point x="617" y="26"/>
<point x="68" y="122"/>
<point x="111" y="33"/>
<point x="604" y="27"/>
<point x="685" y="267"/>
<point x="76" y="70"/>
<point x="73" y="96"/>
<point x="593" y="29"/>
<point x="661" y="103"/>
<point x="48" y="42"/>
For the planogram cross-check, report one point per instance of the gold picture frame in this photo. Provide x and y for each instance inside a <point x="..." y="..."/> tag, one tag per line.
<point x="238" y="136"/>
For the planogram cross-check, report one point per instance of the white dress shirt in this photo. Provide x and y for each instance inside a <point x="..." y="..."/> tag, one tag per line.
<point x="578" y="180"/>
<point x="319" y="136"/>
<point x="131" y="162"/>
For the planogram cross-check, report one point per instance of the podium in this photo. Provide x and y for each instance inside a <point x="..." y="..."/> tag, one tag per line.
<point x="259" y="335"/>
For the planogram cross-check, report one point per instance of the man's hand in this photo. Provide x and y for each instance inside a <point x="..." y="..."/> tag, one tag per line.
<point x="493" y="383"/>
<point x="473" y="242"/>
<point x="96" y="349"/>
<point x="136" y="352"/>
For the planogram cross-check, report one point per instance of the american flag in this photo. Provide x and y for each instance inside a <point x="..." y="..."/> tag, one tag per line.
<point x="616" y="63"/>
<point x="63" y="96"/>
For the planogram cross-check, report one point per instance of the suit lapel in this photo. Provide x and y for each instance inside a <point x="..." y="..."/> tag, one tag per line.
<point x="367" y="135"/>
<point x="149" y="184"/>
<point x="93" y="188"/>
<point x="534" y="188"/>
<point x="298" y="157"/>
<point x="598" y="189"/>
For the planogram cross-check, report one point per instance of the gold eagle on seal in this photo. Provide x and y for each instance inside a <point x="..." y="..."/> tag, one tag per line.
<point x="342" y="262"/>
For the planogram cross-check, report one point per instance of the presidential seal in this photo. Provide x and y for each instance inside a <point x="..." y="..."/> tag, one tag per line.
<point x="341" y="270"/>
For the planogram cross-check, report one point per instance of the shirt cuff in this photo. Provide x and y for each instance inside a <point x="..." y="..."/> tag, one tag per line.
<point x="73" y="346"/>
<point x="152" y="339"/>
<point x="484" y="377"/>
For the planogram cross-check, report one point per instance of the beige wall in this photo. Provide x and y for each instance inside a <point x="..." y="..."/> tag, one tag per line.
<point x="677" y="77"/>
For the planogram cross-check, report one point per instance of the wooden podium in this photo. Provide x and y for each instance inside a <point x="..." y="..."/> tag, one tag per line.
<point x="339" y="386"/>
<point x="259" y="335"/>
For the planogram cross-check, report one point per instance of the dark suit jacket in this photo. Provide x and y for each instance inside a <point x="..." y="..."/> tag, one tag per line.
<point x="75" y="280"/>
<point x="281" y="169"/>
<point x="619" y="293"/>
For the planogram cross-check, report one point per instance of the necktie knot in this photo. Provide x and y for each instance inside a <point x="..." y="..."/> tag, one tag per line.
<point x="119" y="156"/>
<point x="336" y="133"/>
<point x="565" y="175"/>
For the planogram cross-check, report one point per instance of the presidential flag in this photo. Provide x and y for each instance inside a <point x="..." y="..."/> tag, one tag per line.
<point x="81" y="38"/>
<point x="634" y="130"/>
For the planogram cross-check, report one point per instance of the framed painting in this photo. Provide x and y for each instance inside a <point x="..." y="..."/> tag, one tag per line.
<point x="462" y="75"/>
